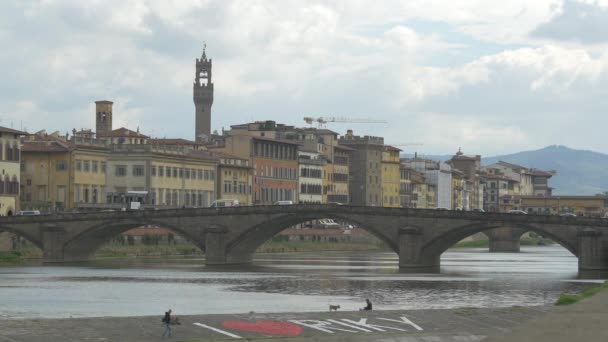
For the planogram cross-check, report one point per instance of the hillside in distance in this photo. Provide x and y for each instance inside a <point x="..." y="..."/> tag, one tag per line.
<point x="579" y="172"/>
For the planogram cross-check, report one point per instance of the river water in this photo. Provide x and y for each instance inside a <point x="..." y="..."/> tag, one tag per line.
<point x="288" y="283"/>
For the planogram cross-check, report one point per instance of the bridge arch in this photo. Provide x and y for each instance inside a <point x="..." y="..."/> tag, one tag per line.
<point x="440" y="243"/>
<point x="83" y="245"/>
<point x="247" y="242"/>
<point x="29" y="237"/>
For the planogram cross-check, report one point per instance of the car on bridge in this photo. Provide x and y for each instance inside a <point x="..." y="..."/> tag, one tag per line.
<point x="478" y="210"/>
<point x="283" y="203"/>
<point x="28" y="213"/>
<point x="517" y="212"/>
<point x="223" y="203"/>
<point x="568" y="215"/>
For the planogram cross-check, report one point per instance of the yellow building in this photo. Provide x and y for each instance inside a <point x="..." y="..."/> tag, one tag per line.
<point x="88" y="166"/>
<point x="165" y="175"/>
<point x="235" y="178"/>
<point x="390" y="177"/>
<point x="458" y="187"/>
<point x="414" y="192"/>
<point x="591" y="206"/>
<point x="10" y="157"/>
<point x="60" y="173"/>
<point x="335" y="184"/>
<point x="430" y="192"/>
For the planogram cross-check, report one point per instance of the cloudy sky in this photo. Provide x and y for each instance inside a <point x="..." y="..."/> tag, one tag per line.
<point x="491" y="77"/>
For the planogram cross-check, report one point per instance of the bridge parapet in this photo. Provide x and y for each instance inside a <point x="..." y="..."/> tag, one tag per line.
<point x="309" y="209"/>
<point x="232" y="234"/>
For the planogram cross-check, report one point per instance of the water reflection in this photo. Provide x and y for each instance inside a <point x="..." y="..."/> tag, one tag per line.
<point x="284" y="283"/>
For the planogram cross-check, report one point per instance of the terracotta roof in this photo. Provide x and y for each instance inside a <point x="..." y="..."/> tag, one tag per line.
<point x="125" y="132"/>
<point x="540" y="173"/>
<point x="391" y="148"/>
<point x="511" y="165"/>
<point x="11" y="131"/>
<point x="40" y="146"/>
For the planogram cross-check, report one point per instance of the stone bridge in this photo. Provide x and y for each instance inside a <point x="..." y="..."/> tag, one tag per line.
<point x="231" y="235"/>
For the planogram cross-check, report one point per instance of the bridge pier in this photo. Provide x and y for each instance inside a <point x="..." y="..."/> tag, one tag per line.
<point x="593" y="251"/>
<point x="53" y="239"/>
<point x="216" y="251"/>
<point x="410" y="250"/>
<point x="504" y="240"/>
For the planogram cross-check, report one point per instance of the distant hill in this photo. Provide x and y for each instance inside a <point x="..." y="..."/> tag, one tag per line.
<point x="579" y="172"/>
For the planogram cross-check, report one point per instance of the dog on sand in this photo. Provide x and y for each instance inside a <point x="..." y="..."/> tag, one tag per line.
<point x="333" y="307"/>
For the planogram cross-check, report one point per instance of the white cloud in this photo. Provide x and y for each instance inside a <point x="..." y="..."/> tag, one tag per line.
<point x="286" y="59"/>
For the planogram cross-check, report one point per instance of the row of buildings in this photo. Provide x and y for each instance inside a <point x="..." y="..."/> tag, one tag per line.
<point x="257" y="163"/>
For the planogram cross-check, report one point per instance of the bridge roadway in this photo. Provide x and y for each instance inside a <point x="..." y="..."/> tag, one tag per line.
<point x="231" y="235"/>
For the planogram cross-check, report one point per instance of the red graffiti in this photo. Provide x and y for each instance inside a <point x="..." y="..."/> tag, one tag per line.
<point x="266" y="327"/>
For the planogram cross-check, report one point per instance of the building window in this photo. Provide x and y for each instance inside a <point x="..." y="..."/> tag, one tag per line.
<point x="153" y="171"/>
<point x="78" y="165"/>
<point x="161" y="171"/>
<point x="138" y="170"/>
<point x="181" y="173"/>
<point x="120" y="171"/>
<point x="86" y="166"/>
<point x="174" y="172"/>
<point x="103" y="167"/>
<point x="95" y="167"/>
<point x="61" y="165"/>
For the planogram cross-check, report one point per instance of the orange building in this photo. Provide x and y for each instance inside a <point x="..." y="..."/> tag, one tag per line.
<point x="274" y="162"/>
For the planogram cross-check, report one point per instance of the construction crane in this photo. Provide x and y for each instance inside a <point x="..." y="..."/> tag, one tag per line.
<point x="321" y="121"/>
<point x="406" y="144"/>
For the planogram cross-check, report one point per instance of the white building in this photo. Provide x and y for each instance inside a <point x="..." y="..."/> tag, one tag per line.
<point x="310" y="182"/>
<point x="438" y="174"/>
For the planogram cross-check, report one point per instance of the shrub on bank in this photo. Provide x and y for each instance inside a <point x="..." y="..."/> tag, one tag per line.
<point x="567" y="299"/>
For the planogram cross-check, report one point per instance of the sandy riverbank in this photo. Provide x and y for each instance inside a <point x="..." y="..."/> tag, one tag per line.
<point x="465" y="324"/>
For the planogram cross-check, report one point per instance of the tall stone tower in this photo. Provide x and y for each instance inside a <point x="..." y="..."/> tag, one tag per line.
<point x="103" y="118"/>
<point x="203" y="97"/>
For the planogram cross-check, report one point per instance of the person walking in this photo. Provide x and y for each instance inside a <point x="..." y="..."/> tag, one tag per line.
<point x="167" y="324"/>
